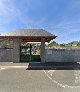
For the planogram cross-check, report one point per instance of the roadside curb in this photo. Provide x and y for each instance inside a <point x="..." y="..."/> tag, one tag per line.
<point x="14" y="67"/>
<point x="42" y="67"/>
<point x="54" y="67"/>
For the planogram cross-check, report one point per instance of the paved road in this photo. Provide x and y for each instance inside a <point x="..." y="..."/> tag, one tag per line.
<point x="22" y="80"/>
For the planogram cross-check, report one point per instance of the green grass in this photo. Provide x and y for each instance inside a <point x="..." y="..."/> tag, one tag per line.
<point x="71" y="47"/>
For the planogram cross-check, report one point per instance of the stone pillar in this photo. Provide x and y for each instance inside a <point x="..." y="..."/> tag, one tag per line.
<point x="42" y="50"/>
<point x="16" y="50"/>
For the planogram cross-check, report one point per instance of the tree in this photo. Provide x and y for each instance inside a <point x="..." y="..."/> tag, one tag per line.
<point x="53" y="43"/>
<point x="62" y="44"/>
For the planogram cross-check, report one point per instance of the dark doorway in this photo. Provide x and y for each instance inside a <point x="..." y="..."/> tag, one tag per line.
<point x="29" y="53"/>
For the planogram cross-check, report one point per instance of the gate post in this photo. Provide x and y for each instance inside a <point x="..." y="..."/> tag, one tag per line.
<point x="42" y="50"/>
<point x="30" y="51"/>
<point x="16" y="50"/>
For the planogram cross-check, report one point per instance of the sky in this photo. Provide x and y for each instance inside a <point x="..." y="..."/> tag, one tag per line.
<point x="59" y="17"/>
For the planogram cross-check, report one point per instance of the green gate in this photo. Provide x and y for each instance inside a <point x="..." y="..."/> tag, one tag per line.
<point x="27" y="54"/>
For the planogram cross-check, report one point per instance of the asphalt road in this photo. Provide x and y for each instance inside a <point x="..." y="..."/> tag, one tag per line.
<point x="22" y="80"/>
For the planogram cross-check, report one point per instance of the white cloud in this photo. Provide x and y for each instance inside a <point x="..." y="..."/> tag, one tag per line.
<point x="8" y="11"/>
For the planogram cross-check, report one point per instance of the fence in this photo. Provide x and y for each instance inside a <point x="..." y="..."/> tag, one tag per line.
<point x="62" y="55"/>
<point x="6" y="55"/>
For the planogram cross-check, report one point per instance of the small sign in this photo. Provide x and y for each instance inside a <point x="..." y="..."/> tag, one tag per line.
<point x="49" y="51"/>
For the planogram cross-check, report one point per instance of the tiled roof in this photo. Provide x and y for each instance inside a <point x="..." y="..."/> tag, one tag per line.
<point x="30" y="32"/>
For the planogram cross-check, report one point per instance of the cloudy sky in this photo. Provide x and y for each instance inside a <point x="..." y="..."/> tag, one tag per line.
<point x="59" y="17"/>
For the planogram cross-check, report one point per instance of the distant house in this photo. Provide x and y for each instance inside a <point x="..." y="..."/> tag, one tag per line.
<point x="69" y="44"/>
<point x="78" y="43"/>
<point x="74" y="43"/>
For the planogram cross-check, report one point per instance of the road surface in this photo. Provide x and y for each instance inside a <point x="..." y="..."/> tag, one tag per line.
<point x="22" y="80"/>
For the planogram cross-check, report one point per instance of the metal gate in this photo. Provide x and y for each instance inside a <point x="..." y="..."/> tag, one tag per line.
<point x="27" y="54"/>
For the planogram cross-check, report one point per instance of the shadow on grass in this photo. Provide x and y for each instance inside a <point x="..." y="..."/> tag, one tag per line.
<point x="54" y="66"/>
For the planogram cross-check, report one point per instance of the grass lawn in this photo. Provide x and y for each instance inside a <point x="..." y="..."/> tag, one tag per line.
<point x="71" y="47"/>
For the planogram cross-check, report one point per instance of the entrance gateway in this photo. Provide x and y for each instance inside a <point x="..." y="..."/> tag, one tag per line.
<point x="25" y="53"/>
<point x="30" y="53"/>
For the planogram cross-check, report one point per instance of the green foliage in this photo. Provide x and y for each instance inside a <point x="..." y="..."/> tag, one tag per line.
<point x="72" y="47"/>
<point x="62" y="44"/>
<point x="53" y="43"/>
<point x="24" y="43"/>
<point x="7" y="44"/>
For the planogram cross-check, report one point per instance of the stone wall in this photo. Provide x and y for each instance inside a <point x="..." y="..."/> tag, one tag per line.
<point x="62" y="55"/>
<point x="6" y="55"/>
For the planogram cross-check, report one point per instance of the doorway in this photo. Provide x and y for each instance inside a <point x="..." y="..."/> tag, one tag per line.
<point x="30" y="53"/>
